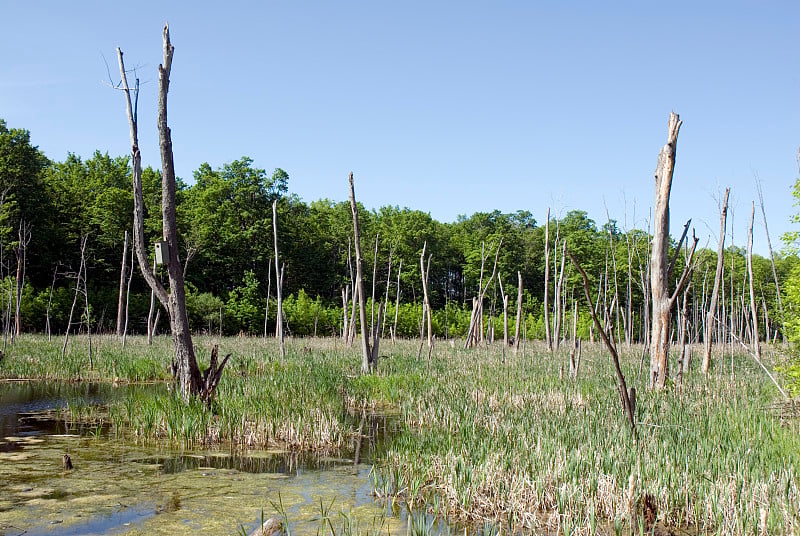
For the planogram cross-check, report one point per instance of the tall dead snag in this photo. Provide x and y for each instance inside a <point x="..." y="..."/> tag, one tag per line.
<point x="184" y="367"/>
<point x="477" y="303"/>
<point x="426" y="306"/>
<point x="122" y="279"/>
<point x="753" y="306"/>
<point x="712" y="306"/>
<point x="279" y="281"/>
<point x="626" y="396"/>
<point x="547" y="336"/>
<point x="660" y="267"/>
<point x="519" y="312"/>
<point x="771" y="255"/>
<point x="367" y="361"/>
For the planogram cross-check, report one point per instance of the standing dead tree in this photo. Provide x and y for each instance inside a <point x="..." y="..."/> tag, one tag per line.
<point x="80" y="289"/>
<point x="477" y="303"/>
<point x="184" y="366"/>
<point x="519" y="312"/>
<point x="426" y="305"/>
<point x="367" y="361"/>
<point x="122" y="279"/>
<point x="547" y="335"/>
<point x="753" y="305"/>
<point x="627" y="397"/>
<point x="771" y="254"/>
<point x="660" y="269"/>
<point x="278" y="282"/>
<point x="712" y="306"/>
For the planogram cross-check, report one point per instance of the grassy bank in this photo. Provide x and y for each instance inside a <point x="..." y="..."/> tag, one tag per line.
<point x="514" y="442"/>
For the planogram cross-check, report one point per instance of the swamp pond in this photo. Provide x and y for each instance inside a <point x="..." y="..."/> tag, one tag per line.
<point x="119" y="486"/>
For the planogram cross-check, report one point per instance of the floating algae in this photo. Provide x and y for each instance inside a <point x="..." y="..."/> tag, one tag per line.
<point x="123" y="488"/>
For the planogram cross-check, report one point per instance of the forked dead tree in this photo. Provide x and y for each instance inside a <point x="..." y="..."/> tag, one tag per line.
<point x="660" y="268"/>
<point x="184" y="367"/>
<point x="426" y="306"/>
<point x="753" y="307"/>
<point x="712" y="306"/>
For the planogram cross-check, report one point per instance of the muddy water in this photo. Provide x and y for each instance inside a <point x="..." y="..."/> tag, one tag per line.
<point x="123" y="488"/>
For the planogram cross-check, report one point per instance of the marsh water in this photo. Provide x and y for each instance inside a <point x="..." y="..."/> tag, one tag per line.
<point x="120" y="487"/>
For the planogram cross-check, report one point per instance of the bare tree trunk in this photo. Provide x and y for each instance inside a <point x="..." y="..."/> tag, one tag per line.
<point x="712" y="306"/>
<point x="476" y="321"/>
<point x="753" y="306"/>
<point x="547" y="336"/>
<point x="426" y="306"/>
<point x="127" y="302"/>
<point x="397" y="301"/>
<point x="345" y="302"/>
<point x="150" y="324"/>
<point x="663" y="303"/>
<point x="122" y="279"/>
<point x="374" y="282"/>
<point x="386" y="298"/>
<point x="557" y="301"/>
<point x="269" y="288"/>
<point x="78" y="283"/>
<point x="771" y="255"/>
<point x="519" y="312"/>
<point x="185" y="369"/>
<point x="24" y="240"/>
<point x="366" y="353"/>
<point x="279" y="281"/>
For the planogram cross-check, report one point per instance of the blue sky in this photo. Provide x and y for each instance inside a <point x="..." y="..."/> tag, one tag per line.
<point x="447" y="107"/>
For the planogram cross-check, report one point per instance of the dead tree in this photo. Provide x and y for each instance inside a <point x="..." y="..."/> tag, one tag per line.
<point x="626" y="396"/>
<point x="397" y="301"/>
<point x="753" y="306"/>
<point x="278" y="282"/>
<point x="426" y="305"/>
<point x="22" y="248"/>
<point x="266" y="307"/>
<point x="660" y="269"/>
<point x="80" y="288"/>
<point x="771" y="254"/>
<point x="519" y="312"/>
<point x="184" y="367"/>
<point x="367" y="362"/>
<point x="477" y="303"/>
<point x="547" y="336"/>
<point x="127" y="301"/>
<point x="151" y="324"/>
<point x="122" y="279"/>
<point x="712" y="306"/>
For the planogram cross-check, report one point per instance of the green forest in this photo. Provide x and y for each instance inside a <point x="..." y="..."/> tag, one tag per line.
<point x="48" y="208"/>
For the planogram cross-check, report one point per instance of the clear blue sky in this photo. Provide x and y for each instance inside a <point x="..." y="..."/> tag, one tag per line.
<point x="447" y="107"/>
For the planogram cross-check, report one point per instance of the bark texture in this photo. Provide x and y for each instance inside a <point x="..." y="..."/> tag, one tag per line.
<point x="367" y="361"/>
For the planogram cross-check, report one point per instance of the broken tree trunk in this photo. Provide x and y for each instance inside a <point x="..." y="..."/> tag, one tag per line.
<point x="122" y="279"/>
<point x="712" y="306"/>
<point x="663" y="302"/>
<point x="366" y="354"/>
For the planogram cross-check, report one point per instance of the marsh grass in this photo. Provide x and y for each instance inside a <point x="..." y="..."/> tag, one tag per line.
<point x="487" y="443"/>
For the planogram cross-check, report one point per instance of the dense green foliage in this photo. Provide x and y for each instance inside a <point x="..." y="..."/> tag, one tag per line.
<point x="225" y="224"/>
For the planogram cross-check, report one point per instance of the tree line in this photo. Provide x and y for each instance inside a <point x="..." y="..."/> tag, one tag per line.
<point x="49" y="208"/>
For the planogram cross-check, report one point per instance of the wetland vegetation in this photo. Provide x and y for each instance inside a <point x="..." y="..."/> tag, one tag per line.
<point x="474" y="437"/>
